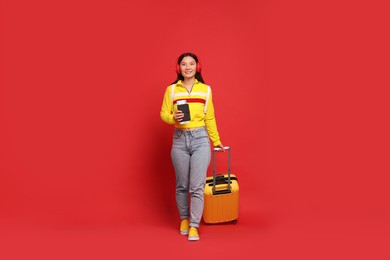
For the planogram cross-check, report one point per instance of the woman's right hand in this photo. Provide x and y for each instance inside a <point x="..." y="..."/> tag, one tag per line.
<point x="178" y="115"/>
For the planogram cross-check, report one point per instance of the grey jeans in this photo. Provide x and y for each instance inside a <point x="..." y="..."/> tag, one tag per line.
<point x="191" y="157"/>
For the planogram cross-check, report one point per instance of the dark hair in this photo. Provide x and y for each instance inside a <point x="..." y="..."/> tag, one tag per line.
<point x="198" y="75"/>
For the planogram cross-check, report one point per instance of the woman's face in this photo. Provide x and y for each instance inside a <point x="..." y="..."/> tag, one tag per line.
<point x="188" y="67"/>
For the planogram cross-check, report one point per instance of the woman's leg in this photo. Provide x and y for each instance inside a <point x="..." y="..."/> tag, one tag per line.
<point x="200" y="160"/>
<point x="181" y="163"/>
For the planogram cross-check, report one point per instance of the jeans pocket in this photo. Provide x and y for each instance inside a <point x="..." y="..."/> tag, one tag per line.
<point x="177" y="134"/>
<point x="201" y="134"/>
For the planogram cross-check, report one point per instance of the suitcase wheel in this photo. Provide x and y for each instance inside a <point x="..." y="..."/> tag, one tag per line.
<point x="235" y="221"/>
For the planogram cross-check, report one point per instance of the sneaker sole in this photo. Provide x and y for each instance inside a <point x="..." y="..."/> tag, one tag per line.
<point x="193" y="238"/>
<point x="184" y="233"/>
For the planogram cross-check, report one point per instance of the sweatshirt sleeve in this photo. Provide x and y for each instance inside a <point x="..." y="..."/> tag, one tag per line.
<point x="211" y="123"/>
<point x="166" y="108"/>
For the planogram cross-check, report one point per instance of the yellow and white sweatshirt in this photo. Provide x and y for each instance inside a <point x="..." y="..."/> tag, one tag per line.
<point x="201" y="108"/>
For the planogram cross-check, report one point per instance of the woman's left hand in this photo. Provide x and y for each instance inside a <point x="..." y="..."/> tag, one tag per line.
<point x="221" y="147"/>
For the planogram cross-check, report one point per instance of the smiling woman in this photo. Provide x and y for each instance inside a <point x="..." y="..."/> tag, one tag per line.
<point x="189" y="66"/>
<point x="191" y="143"/>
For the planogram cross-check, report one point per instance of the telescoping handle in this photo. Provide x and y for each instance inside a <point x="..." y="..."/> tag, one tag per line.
<point x="217" y="149"/>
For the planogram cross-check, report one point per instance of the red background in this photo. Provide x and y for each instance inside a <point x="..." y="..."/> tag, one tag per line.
<point x="300" y="92"/>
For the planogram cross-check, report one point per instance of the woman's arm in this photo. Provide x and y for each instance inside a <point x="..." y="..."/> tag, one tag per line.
<point x="211" y="123"/>
<point x="166" y="112"/>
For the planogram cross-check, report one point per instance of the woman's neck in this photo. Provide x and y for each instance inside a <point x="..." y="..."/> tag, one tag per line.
<point x="188" y="82"/>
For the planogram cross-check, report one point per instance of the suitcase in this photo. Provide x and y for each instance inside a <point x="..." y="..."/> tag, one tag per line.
<point x="221" y="195"/>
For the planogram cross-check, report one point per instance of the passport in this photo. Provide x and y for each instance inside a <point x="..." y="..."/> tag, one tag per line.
<point x="185" y="108"/>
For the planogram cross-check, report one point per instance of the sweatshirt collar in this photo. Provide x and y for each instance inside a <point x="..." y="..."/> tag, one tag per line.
<point x="180" y="83"/>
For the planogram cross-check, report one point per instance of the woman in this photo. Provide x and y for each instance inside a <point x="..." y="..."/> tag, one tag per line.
<point x="191" y="141"/>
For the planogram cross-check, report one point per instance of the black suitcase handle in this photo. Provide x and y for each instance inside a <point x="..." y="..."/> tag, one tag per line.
<point x="220" y="179"/>
<point x="217" y="149"/>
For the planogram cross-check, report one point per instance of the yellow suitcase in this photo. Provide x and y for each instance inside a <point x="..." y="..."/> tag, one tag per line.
<point x="221" y="195"/>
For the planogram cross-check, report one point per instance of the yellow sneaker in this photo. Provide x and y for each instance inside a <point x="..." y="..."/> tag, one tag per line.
<point x="193" y="234"/>
<point x="184" y="227"/>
